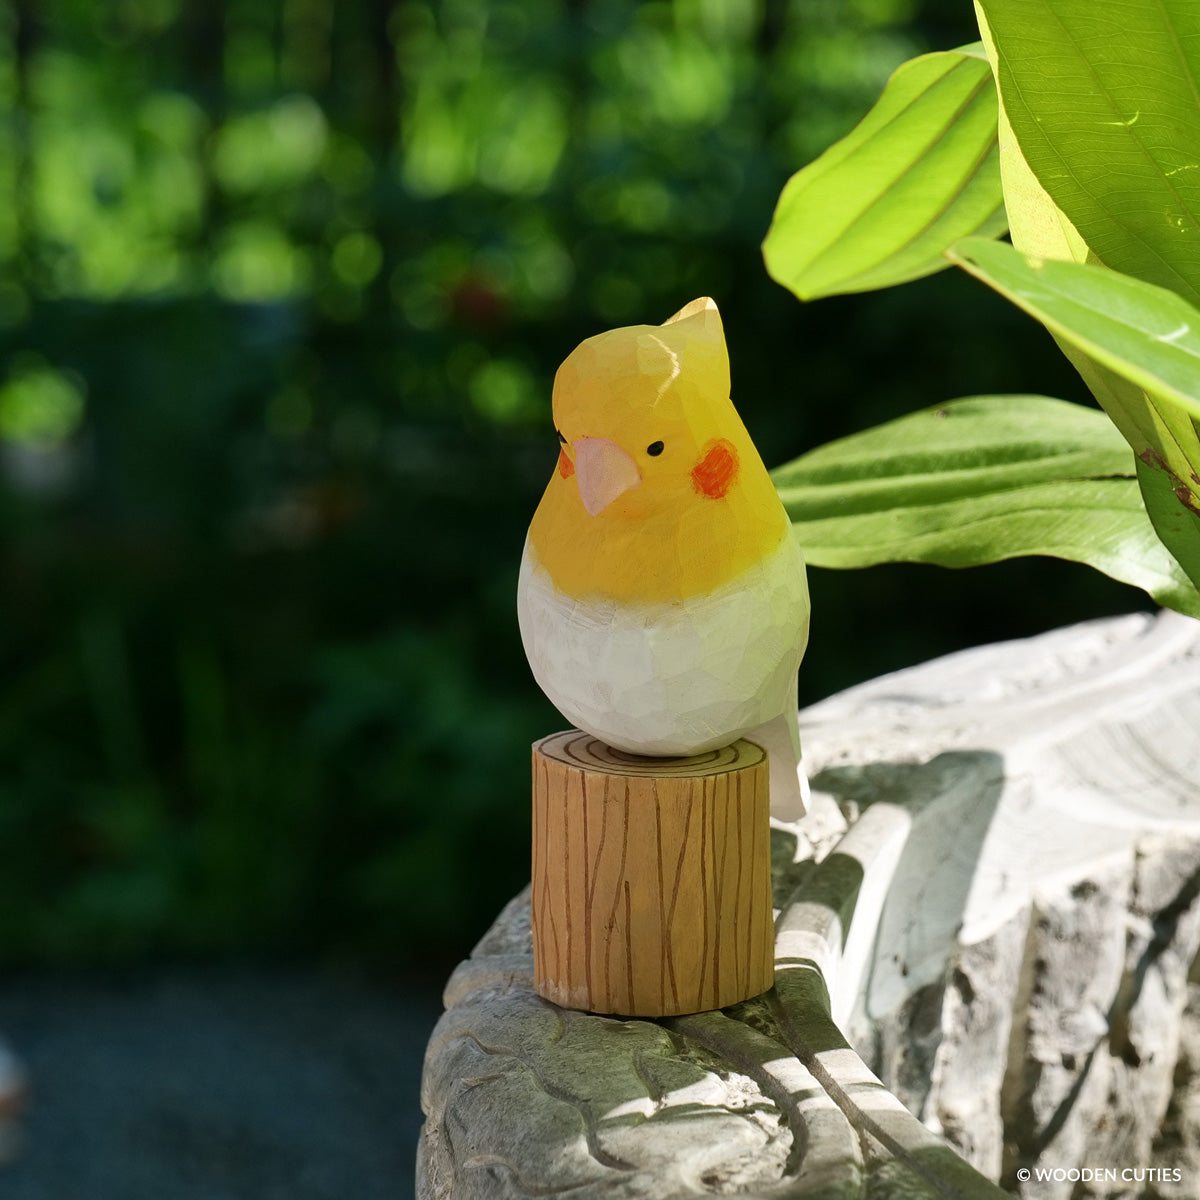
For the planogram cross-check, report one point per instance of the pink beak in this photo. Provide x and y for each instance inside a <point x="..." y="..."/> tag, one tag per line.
<point x="603" y="471"/>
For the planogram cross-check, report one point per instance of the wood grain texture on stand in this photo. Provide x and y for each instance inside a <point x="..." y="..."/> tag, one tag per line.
<point x="986" y="936"/>
<point x="651" y="877"/>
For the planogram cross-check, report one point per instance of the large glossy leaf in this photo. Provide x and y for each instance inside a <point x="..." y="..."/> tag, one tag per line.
<point x="1140" y="333"/>
<point x="1036" y="224"/>
<point x="1104" y="100"/>
<point x="1144" y="333"/>
<point x="1165" y="442"/>
<point x="979" y="480"/>
<point x="880" y="206"/>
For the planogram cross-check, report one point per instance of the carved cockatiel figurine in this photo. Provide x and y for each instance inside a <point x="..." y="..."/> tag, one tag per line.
<point x="662" y="597"/>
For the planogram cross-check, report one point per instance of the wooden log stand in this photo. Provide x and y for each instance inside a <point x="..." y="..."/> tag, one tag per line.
<point x="651" y="878"/>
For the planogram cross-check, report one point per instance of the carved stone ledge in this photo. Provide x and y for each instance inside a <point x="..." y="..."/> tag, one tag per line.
<point x="994" y="898"/>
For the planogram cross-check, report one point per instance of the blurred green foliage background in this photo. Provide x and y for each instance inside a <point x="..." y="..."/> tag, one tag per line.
<point x="283" y="285"/>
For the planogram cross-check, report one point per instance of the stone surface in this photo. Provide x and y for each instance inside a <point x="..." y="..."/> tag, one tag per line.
<point x="994" y="896"/>
<point x="1030" y="970"/>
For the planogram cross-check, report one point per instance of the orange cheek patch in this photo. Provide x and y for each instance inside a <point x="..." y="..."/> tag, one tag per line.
<point x="566" y="468"/>
<point x="714" y="474"/>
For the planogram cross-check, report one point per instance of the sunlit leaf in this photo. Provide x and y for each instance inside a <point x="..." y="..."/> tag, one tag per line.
<point x="1142" y="334"/>
<point x="979" y="480"/>
<point x="1036" y="224"/>
<point x="880" y="206"/>
<point x="1164" y="440"/>
<point x="1105" y="104"/>
<point x="1145" y="333"/>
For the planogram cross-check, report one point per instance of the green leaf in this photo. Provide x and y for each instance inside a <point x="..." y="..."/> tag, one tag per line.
<point x="881" y="206"/>
<point x="1036" y="224"/>
<point x="1105" y="103"/>
<point x="1142" y="334"/>
<point x="979" y="480"/>
<point x="1164" y="443"/>
<point x="1176" y="525"/>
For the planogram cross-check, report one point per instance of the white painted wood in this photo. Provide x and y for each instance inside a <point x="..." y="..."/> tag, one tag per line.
<point x="677" y="678"/>
<point x="996" y="891"/>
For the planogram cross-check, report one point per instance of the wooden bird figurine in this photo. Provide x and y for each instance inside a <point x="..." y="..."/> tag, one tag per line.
<point x="662" y="599"/>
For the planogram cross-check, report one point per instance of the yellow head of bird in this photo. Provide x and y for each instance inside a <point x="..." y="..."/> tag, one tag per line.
<point x="644" y="416"/>
<point x="656" y="470"/>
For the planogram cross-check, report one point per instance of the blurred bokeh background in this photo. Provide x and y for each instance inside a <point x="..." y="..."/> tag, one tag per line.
<point x="283" y="286"/>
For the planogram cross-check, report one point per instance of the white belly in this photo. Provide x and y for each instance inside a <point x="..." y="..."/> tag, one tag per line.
<point x="670" y="678"/>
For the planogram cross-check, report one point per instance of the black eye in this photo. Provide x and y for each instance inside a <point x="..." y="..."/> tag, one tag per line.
<point x="562" y="441"/>
<point x="654" y="449"/>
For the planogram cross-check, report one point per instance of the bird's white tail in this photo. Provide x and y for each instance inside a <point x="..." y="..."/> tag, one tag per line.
<point x="780" y="738"/>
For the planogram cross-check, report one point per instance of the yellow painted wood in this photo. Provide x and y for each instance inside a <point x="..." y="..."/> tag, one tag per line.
<point x="663" y="538"/>
<point x="651" y="878"/>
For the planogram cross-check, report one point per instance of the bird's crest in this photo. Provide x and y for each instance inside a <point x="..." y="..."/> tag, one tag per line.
<point x="705" y="307"/>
